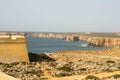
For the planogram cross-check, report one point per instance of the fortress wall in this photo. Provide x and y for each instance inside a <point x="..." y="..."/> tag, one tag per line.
<point x="13" y="49"/>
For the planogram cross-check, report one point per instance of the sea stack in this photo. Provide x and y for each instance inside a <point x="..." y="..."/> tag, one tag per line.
<point x="13" y="49"/>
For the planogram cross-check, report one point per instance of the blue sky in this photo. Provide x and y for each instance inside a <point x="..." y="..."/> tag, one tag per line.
<point x="60" y="15"/>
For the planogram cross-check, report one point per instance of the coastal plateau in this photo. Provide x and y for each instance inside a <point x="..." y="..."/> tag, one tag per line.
<point x="68" y="65"/>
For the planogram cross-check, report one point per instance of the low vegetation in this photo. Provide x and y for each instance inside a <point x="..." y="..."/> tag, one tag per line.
<point x="109" y="61"/>
<point x="63" y="64"/>
<point x="91" y="77"/>
<point x="83" y="69"/>
<point x="63" y="74"/>
<point x="23" y="70"/>
<point x="65" y="68"/>
<point x="116" y="76"/>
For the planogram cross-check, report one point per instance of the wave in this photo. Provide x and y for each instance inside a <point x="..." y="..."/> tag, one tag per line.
<point x="84" y="45"/>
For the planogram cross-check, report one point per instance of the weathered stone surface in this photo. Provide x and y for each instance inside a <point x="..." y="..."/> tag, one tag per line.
<point x="4" y="76"/>
<point x="72" y="38"/>
<point x="113" y="42"/>
<point x="66" y="63"/>
<point x="22" y="70"/>
<point x="13" y="49"/>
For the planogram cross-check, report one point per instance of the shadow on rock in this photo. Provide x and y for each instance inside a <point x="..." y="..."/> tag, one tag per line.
<point x="39" y="57"/>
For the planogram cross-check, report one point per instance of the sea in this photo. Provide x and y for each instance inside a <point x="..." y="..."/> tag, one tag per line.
<point x="40" y="45"/>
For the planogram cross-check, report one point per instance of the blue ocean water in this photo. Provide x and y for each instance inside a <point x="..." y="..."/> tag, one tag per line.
<point x="41" y="45"/>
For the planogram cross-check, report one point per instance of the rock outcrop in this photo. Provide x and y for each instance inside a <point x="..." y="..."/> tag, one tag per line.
<point x="72" y="38"/>
<point x="112" y="42"/>
<point x="4" y="76"/>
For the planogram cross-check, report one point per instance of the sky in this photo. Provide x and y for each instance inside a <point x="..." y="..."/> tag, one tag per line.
<point x="60" y="15"/>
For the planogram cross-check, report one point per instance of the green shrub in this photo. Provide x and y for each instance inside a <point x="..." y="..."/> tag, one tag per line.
<point x="108" y="70"/>
<point x="48" y="69"/>
<point x="44" y="79"/>
<point x="63" y="74"/>
<point x="66" y="68"/>
<point x="8" y="65"/>
<point x="83" y="69"/>
<point x="1" y="63"/>
<point x="118" y="68"/>
<point x="80" y="60"/>
<point x="116" y="76"/>
<point x="110" y="61"/>
<point x="12" y="75"/>
<point x="91" y="77"/>
<point x="14" y="63"/>
<point x="31" y="72"/>
<point x="23" y="63"/>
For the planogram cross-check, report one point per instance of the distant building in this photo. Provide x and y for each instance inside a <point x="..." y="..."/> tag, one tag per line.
<point x="87" y="33"/>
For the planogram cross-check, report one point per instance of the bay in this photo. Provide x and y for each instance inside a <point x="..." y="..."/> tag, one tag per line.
<point x="42" y="45"/>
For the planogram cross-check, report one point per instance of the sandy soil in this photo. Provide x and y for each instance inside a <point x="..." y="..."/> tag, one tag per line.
<point x="4" y="76"/>
<point x="80" y="77"/>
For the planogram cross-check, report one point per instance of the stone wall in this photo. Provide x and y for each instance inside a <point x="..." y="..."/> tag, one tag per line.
<point x="13" y="49"/>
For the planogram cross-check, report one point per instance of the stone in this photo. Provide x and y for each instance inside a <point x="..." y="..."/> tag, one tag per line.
<point x="13" y="49"/>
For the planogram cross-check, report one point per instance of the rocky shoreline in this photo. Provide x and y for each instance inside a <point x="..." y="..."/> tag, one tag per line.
<point x="99" y="41"/>
<point x="93" y="39"/>
<point x="65" y="63"/>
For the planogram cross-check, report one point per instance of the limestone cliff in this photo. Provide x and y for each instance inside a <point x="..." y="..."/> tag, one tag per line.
<point x="72" y="38"/>
<point x="99" y="41"/>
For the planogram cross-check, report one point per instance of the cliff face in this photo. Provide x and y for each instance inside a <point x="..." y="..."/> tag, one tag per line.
<point x="72" y="38"/>
<point x="92" y="40"/>
<point x="113" y="42"/>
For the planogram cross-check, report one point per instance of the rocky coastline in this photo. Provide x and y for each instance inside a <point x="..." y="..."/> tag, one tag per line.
<point x="113" y="42"/>
<point x="93" y="39"/>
